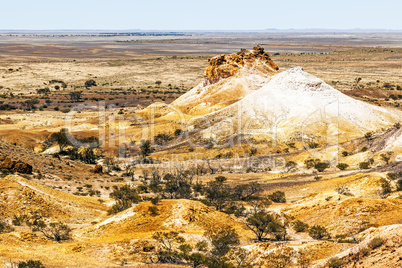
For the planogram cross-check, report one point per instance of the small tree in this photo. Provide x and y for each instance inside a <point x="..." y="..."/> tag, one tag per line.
<point x="217" y="194"/>
<point x="291" y="165"/>
<point x="168" y="242"/>
<point x="260" y="223"/>
<point x="146" y="148"/>
<point x="61" y="137"/>
<point x="247" y="192"/>
<point x="222" y="240"/>
<point x="56" y="231"/>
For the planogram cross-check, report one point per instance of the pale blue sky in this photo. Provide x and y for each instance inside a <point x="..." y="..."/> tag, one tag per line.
<point x="200" y="15"/>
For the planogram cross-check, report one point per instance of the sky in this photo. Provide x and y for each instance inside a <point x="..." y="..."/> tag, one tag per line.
<point x="199" y="15"/>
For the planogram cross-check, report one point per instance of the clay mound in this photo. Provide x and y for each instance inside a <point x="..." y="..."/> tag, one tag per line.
<point x="293" y="104"/>
<point x="348" y="215"/>
<point x="385" y="255"/>
<point x="19" y="196"/>
<point x="191" y="218"/>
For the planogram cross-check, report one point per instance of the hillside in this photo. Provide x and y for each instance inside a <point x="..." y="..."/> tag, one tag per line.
<point x="20" y="196"/>
<point x="295" y="105"/>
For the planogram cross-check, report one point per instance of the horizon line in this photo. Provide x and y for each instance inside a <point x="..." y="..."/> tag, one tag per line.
<point x="208" y="30"/>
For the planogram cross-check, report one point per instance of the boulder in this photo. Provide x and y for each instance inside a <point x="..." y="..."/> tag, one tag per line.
<point x="7" y="163"/>
<point x="23" y="168"/>
<point x="98" y="169"/>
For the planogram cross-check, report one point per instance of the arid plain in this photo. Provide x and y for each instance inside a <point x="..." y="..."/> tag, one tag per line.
<point x="120" y="90"/>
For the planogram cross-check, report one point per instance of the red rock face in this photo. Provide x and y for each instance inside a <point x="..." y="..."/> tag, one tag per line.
<point x="224" y="66"/>
<point x="17" y="166"/>
<point x="23" y="168"/>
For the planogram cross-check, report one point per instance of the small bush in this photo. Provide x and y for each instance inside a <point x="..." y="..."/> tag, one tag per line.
<point x="90" y="83"/>
<point x="364" y="165"/>
<point x="30" y="264"/>
<point x="321" y="166"/>
<point x="278" y="197"/>
<point x="342" y="166"/>
<point x="319" y="232"/>
<point x="5" y="227"/>
<point x="300" y="226"/>
<point x="153" y="210"/>
<point x="376" y="242"/>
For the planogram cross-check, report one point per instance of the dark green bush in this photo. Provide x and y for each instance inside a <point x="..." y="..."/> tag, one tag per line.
<point x="277" y="197"/>
<point x="319" y="232"/>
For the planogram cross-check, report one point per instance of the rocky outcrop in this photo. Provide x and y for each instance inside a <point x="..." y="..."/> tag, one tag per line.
<point x="98" y="169"/>
<point x="23" y="168"/>
<point x="225" y="66"/>
<point x="17" y="166"/>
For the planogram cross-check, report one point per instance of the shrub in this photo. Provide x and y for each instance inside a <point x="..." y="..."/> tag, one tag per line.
<point x="90" y="83"/>
<point x="345" y="153"/>
<point x="376" y="242"/>
<point x="394" y="176"/>
<point x="300" y="226"/>
<point x="260" y="224"/>
<point x="319" y="232"/>
<point x="30" y="264"/>
<point x="335" y="262"/>
<point x="5" y="227"/>
<point x="19" y="220"/>
<point x="310" y="163"/>
<point x="385" y="186"/>
<point x="321" y="166"/>
<point x="278" y="197"/>
<point x="342" y="189"/>
<point x="342" y="166"/>
<point x="364" y="165"/>
<point x="178" y="132"/>
<point x="153" y="210"/>
<point x="399" y="185"/>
